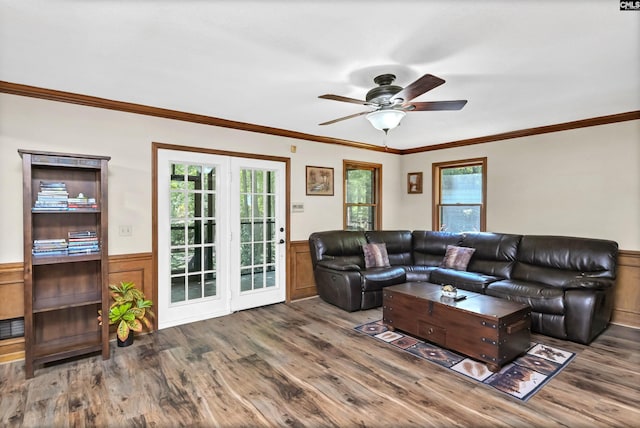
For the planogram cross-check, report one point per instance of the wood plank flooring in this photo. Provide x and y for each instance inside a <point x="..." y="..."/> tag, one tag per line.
<point x="302" y="365"/>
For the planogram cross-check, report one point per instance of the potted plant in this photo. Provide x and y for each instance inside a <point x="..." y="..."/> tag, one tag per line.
<point x="130" y="309"/>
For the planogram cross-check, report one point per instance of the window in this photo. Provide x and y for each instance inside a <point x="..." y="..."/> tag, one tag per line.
<point x="362" y="210"/>
<point x="459" y="195"/>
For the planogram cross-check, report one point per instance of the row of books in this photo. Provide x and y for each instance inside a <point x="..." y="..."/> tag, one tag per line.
<point x="84" y="242"/>
<point x="53" y="196"/>
<point x="81" y="242"/>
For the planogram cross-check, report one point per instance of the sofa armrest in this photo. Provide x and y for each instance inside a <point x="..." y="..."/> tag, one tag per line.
<point x="338" y="265"/>
<point x="590" y="283"/>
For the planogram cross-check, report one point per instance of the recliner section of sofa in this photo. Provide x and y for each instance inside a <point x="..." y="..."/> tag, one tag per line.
<point x="567" y="281"/>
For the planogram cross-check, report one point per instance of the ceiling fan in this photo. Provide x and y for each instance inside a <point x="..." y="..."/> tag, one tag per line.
<point x="391" y="102"/>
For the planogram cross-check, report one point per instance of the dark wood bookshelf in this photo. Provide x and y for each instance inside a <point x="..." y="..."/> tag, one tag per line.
<point x="62" y="291"/>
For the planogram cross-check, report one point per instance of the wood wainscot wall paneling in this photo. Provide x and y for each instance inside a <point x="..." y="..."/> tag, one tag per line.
<point x="136" y="268"/>
<point x="128" y="267"/>
<point x="11" y="306"/>
<point x="626" y="310"/>
<point x="626" y="305"/>
<point x="301" y="283"/>
<point x="139" y="269"/>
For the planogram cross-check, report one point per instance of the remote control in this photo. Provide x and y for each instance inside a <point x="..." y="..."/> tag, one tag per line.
<point x="459" y="298"/>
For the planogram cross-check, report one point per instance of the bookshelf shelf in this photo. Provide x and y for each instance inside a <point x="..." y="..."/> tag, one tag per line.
<point x="65" y="256"/>
<point x="48" y="260"/>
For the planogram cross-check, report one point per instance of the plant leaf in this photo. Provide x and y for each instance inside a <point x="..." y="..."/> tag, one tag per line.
<point x="122" y="331"/>
<point x="135" y="325"/>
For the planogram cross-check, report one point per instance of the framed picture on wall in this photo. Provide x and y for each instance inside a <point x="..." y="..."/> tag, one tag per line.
<point x="414" y="182"/>
<point x="319" y="181"/>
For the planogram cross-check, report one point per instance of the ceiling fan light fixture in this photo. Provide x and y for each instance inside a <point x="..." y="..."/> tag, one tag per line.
<point x="384" y="120"/>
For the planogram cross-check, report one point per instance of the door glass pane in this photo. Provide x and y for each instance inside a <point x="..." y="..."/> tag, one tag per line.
<point x="258" y="206"/>
<point x="177" y="232"/>
<point x="209" y="205"/>
<point x="270" y="277"/>
<point x="195" y="287"/>
<point x="271" y="206"/>
<point x="177" y="289"/>
<point x="258" y="181"/>
<point x="209" y="177"/>
<point x="245" y="279"/>
<point x="177" y="177"/>
<point x="258" y="253"/>
<point x="210" y="232"/>
<point x="258" y="231"/>
<point x="192" y="211"/>
<point x="209" y="284"/>
<point x="257" y="211"/>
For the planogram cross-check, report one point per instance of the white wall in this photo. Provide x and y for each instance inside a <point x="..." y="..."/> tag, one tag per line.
<point x="581" y="182"/>
<point x="29" y="123"/>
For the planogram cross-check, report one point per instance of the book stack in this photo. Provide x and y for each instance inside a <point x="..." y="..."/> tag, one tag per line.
<point x="53" y="196"/>
<point x="83" y="242"/>
<point x="82" y="202"/>
<point x="49" y="247"/>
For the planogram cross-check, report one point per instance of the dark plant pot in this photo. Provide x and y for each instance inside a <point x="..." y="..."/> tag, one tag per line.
<point x="123" y="343"/>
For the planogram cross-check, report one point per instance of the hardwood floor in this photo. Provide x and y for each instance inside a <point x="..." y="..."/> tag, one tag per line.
<point x="303" y="364"/>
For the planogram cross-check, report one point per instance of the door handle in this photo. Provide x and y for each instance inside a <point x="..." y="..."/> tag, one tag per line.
<point x="281" y="241"/>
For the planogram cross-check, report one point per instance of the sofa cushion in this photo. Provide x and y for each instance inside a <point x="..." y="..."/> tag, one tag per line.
<point x="541" y="297"/>
<point x="377" y="278"/>
<point x="375" y="255"/>
<point x="429" y="247"/>
<point x="559" y="260"/>
<point x="418" y="273"/>
<point x="457" y="258"/>
<point x="342" y="245"/>
<point x="398" y="244"/>
<point x="495" y="252"/>
<point x="469" y="281"/>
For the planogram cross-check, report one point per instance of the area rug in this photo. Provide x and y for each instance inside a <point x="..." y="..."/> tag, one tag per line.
<point x="520" y="379"/>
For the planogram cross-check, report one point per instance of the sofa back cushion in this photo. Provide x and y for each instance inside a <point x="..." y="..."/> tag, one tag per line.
<point x="339" y="245"/>
<point x="557" y="260"/>
<point x="429" y="247"/>
<point x="495" y="253"/>
<point x="398" y="244"/>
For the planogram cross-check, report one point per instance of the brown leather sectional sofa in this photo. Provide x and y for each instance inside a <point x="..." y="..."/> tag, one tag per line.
<point x="567" y="281"/>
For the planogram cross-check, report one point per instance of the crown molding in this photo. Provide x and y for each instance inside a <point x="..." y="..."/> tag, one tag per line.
<point x="583" y="123"/>
<point x="104" y="103"/>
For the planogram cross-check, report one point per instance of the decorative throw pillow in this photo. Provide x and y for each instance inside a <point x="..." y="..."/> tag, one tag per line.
<point x="375" y="255"/>
<point x="457" y="257"/>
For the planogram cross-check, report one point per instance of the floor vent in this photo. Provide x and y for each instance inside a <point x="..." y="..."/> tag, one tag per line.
<point x="11" y="328"/>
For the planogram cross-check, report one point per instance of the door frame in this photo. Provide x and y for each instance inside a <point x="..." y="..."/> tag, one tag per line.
<point x="155" y="147"/>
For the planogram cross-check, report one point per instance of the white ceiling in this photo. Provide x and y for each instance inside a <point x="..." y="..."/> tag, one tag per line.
<point x="521" y="64"/>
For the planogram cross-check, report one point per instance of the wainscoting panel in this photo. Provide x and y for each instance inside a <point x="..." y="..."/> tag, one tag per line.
<point x="136" y="268"/>
<point x="139" y="269"/>
<point x="301" y="281"/>
<point x="128" y="267"/>
<point x="11" y="290"/>
<point x="626" y="306"/>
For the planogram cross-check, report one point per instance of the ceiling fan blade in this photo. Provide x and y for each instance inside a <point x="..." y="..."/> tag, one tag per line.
<point x="435" y="105"/>
<point x="345" y="118"/>
<point x="344" y="99"/>
<point x="419" y="87"/>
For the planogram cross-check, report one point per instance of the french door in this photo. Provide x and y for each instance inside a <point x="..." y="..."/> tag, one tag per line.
<point x="221" y="236"/>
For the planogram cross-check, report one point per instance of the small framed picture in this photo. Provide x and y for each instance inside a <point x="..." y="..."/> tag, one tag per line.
<point x="414" y="182"/>
<point x="319" y="181"/>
